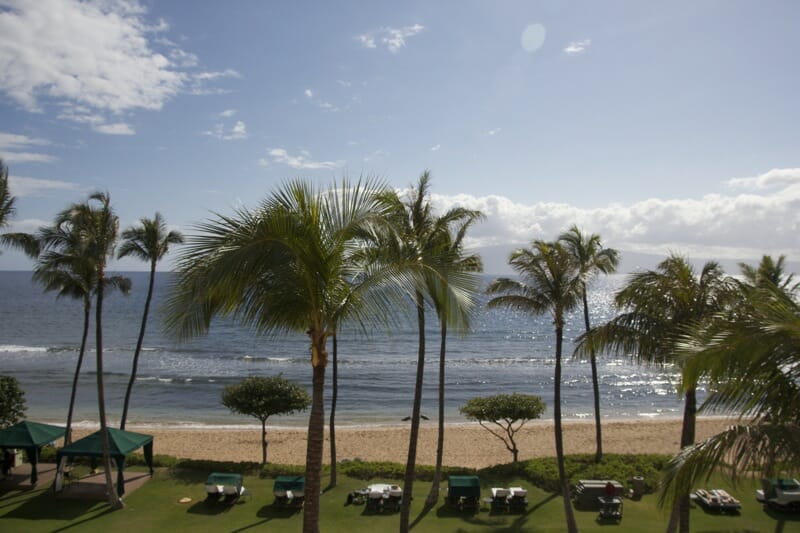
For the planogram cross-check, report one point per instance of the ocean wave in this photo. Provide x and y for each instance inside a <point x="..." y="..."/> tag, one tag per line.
<point x="15" y="348"/>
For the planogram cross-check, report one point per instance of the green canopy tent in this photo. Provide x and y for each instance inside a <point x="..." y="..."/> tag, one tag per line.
<point x="30" y="436"/>
<point x="121" y="443"/>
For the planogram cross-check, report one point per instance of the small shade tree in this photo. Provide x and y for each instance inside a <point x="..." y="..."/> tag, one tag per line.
<point x="509" y="412"/>
<point x="12" y="401"/>
<point x="263" y="397"/>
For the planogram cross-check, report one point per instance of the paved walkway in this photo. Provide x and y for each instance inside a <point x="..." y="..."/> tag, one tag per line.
<point x="91" y="486"/>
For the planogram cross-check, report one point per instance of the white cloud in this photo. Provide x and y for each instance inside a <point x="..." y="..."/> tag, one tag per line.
<point x="93" y="59"/>
<point x="493" y="132"/>
<point x="344" y="83"/>
<point x="771" y="178"/>
<point x="302" y="161"/>
<point x="23" y="186"/>
<point x="435" y="148"/>
<point x="577" y="47"/>
<point x="119" y="128"/>
<point x="715" y="225"/>
<point x="12" y="143"/>
<point x="392" y="38"/>
<point x="237" y="132"/>
<point x="322" y="104"/>
<point x="228" y="113"/>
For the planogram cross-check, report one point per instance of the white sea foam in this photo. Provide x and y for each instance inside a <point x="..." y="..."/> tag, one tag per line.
<point x="15" y="348"/>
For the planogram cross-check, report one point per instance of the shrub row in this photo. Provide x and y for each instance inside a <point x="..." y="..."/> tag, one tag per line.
<point x="542" y="472"/>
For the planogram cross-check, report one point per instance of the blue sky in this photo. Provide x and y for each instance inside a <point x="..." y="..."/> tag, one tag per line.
<point x="662" y="126"/>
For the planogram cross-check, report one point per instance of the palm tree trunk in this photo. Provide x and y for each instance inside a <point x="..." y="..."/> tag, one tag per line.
<point x="138" y="346"/>
<point x="679" y="517"/>
<point x="572" y="526"/>
<point x="113" y="498"/>
<point x="87" y="307"/>
<point x="332" y="419"/>
<point x="433" y="495"/>
<point x="598" y="456"/>
<point x="687" y="439"/>
<point x="316" y="436"/>
<point x="264" y="441"/>
<point x="408" y="482"/>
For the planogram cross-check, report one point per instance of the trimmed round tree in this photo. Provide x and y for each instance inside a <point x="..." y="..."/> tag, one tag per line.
<point x="12" y="401"/>
<point x="263" y="397"/>
<point x="509" y="412"/>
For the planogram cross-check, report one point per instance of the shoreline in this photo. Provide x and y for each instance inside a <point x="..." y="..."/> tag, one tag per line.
<point x="466" y="444"/>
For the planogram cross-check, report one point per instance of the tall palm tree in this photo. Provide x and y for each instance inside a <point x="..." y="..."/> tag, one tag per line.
<point x="454" y="262"/>
<point x="751" y="356"/>
<point x="150" y="241"/>
<point x="659" y="306"/>
<point x="550" y="281"/>
<point x="279" y="269"/>
<point x="419" y="246"/>
<point x="96" y="221"/>
<point x="62" y="266"/>
<point x="592" y="260"/>
<point x="6" y="200"/>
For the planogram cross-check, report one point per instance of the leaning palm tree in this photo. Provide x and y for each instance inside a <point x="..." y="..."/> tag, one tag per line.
<point x="96" y="221"/>
<point x="550" y="282"/>
<point x="659" y="306"/>
<point x="419" y="246"/>
<point x="150" y="241"/>
<point x="6" y="200"/>
<point x="278" y="269"/>
<point x="751" y="356"/>
<point x="592" y="259"/>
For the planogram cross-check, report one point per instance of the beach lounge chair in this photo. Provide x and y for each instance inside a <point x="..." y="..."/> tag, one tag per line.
<point x="717" y="500"/>
<point x="782" y="494"/>
<point x="518" y="500"/>
<point x="231" y="493"/>
<point x="392" y="503"/>
<point x="464" y="492"/>
<point x="610" y="508"/>
<point x="288" y="490"/>
<point x="500" y="499"/>
<point x="213" y="493"/>
<point x="374" y="500"/>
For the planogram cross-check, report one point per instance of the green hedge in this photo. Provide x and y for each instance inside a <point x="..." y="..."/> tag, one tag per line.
<point x="544" y="472"/>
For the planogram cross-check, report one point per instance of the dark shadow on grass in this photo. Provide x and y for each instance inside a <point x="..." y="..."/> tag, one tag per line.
<point x="46" y="507"/>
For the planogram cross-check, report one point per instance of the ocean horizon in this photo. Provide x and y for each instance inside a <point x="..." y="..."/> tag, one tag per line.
<point x="179" y="384"/>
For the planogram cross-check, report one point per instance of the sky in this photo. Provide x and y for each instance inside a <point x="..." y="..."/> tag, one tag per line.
<point x="665" y="127"/>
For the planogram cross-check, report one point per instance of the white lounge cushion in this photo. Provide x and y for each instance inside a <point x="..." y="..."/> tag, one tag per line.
<point x="500" y="492"/>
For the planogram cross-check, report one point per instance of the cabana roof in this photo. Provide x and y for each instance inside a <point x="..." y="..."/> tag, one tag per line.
<point x="120" y="442"/>
<point x="27" y="434"/>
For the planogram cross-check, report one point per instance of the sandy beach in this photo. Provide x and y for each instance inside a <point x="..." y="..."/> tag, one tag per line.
<point x="465" y="444"/>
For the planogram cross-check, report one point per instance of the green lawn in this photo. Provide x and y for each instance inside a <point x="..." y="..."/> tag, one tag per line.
<point x="155" y="507"/>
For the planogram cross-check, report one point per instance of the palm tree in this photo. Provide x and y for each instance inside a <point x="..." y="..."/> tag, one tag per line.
<point x="96" y="221"/>
<point x="454" y="263"/>
<point x="550" y="281"/>
<point x="279" y="269"/>
<point x="62" y="266"/>
<point x="592" y="259"/>
<point x="769" y="271"/>
<point x="420" y="246"/>
<point x="150" y="241"/>
<point x="659" y="306"/>
<point x="751" y="356"/>
<point x="6" y="200"/>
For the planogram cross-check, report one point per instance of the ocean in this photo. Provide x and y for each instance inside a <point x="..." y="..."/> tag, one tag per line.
<point x="179" y="384"/>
